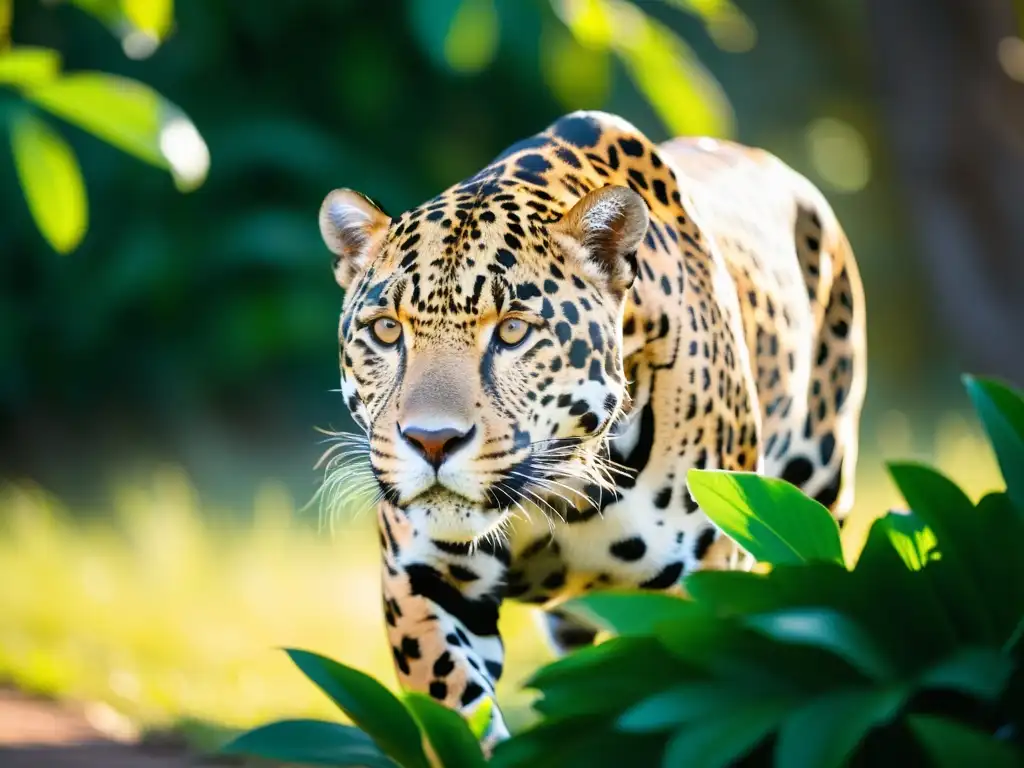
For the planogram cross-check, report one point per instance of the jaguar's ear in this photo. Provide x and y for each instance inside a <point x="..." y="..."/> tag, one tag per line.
<point x="608" y="225"/>
<point x="348" y="223"/>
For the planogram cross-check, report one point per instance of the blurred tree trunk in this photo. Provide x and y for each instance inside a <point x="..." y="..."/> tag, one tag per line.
<point x="956" y="126"/>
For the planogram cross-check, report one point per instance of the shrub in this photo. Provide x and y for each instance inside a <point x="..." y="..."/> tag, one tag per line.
<point x="913" y="655"/>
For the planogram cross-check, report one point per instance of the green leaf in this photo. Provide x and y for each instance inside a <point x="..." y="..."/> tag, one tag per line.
<point x="27" y="65"/>
<point x="480" y="719"/>
<point x="721" y="741"/>
<point x="940" y="503"/>
<point x="953" y="745"/>
<point x="826" y="731"/>
<point x="912" y="539"/>
<point x="629" y="613"/>
<point x="446" y="730"/>
<point x="979" y="672"/>
<point x="313" y="742"/>
<point x="52" y="182"/>
<point x="369" y="704"/>
<point x="664" y="68"/>
<point x="132" y="117"/>
<point x="768" y="517"/>
<point x="1001" y="410"/>
<point x="700" y="700"/>
<point x="829" y="630"/>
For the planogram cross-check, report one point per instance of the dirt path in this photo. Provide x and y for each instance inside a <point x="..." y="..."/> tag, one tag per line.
<point x="35" y="733"/>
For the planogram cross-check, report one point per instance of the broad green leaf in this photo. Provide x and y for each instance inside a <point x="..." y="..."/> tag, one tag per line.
<point x="953" y="745"/>
<point x="911" y="538"/>
<point x="27" y="65"/>
<point x="132" y="117"/>
<point x="312" y="742"/>
<point x="1001" y="410"/>
<point x="607" y="678"/>
<point x="667" y="710"/>
<point x="931" y="625"/>
<point x="480" y="719"/>
<point x="629" y="613"/>
<point x="721" y="741"/>
<point x="979" y="672"/>
<point x="829" y="630"/>
<point x="768" y="517"/>
<point x="52" y="182"/>
<point x="941" y="505"/>
<point x="369" y="704"/>
<point x="664" y="68"/>
<point x="448" y="733"/>
<point x="826" y="731"/>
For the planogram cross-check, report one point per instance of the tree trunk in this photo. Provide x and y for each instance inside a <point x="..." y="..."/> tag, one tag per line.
<point x="956" y="125"/>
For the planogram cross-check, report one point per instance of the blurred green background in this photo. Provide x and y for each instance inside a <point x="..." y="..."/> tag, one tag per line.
<point x="160" y="384"/>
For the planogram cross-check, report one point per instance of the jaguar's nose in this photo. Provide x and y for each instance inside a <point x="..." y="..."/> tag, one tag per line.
<point x="436" y="445"/>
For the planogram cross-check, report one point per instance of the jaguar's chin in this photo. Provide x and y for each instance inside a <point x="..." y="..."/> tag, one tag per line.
<point x="446" y="516"/>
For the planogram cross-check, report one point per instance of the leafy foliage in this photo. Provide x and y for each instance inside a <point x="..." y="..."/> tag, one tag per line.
<point x="912" y="656"/>
<point x="122" y="112"/>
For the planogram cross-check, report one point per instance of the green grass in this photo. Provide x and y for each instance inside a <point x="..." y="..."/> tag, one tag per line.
<point x="164" y="613"/>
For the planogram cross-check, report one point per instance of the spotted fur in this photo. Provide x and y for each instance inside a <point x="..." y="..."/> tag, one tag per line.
<point x="690" y="304"/>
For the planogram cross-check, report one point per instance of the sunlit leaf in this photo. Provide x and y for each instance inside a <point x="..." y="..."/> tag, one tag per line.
<point x="944" y="507"/>
<point x="52" y="182"/>
<point x="952" y="745"/>
<point x="311" y="742"/>
<point x="480" y="719"/>
<point x="369" y="704"/>
<point x="448" y="733"/>
<point x="132" y="117"/>
<point x="140" y="25"/>
<point x="154" y="17"/>
<point x="826" y="731"/>
<point x="727" y="25"/>
<point x="768" y="517"/>
<point x="27" y="65"/>
<point x="1001" y="410"/>
<point x="686" y="97"/>
<point x="912" y="538"/>
<point x="578" y="75"/>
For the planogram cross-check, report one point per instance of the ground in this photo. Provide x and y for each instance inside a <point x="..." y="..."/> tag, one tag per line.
<point x="36" y="732"/>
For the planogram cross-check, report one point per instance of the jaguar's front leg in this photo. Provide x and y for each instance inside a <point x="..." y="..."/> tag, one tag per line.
<point x="441" y="603"/>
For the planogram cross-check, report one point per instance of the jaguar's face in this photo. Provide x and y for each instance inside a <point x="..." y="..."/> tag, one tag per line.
<point x="482" y="352"/>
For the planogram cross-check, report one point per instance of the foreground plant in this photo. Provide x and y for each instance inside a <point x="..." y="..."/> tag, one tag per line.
<point x="914" y="655"/>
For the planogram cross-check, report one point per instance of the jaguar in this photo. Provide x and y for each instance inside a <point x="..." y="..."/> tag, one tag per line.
<point x="538" y="355"/>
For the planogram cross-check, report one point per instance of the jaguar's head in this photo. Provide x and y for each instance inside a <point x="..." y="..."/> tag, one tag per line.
<point x="481" y="345"/>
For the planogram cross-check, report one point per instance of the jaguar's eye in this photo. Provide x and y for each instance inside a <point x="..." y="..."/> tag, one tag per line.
<point x="512" y="331"/>
<point x="386" y="330"/>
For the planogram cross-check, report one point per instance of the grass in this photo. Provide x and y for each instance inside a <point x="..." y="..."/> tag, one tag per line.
<point x="163" y="612"/>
